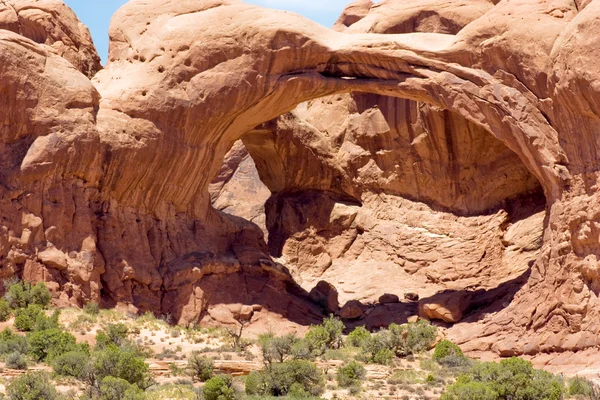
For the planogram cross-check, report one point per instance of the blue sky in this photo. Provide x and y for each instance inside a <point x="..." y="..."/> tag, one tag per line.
<point x="96" y="14"/>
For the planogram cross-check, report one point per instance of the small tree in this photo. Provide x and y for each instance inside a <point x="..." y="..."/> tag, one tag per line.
<point x="200" y="367"/>
<point x="351" y="374"/>
<point x="16" y="360"/>
<point x="22" y="294"/>
<point x="328" y="335"/>
<point x="113" y="334"/>
<point x="218" y="388"/>
<point x="72" y="363"/>
<point x="278" y="379"/>
<point x="51" y="343"/>
<point x="235" y="334"/>
<point x="449" y="354"/>
<point x="276" y="349"/>
<point x="358" y="336"/>
<point x="25" y="318"/>
<point x="119" y="363"/>
<point x="112" y="388"/>
<point x="10" y="342"/>
<point x="91" y="308"/>
<point x="5" y="310"/>
<point x="32" y="386"/>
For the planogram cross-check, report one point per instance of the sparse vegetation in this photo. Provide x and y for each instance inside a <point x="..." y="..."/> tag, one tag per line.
<point x="200" y="367"/>
<point x="513" y="378"/>
<point x="351" y="374"/>
<point x="218" y="388"/>
<point x="358" y="337"/>
<point x="290" y="377"/>
<point x="31" y="386"/>
<point x="582" y="387"/>
<point x="293" y="367"/>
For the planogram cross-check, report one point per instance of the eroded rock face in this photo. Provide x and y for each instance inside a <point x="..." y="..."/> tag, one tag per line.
<point x="52" y="23"/>
<point x="105" y="183"/>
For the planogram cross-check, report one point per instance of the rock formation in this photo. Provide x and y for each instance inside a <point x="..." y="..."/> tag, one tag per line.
<point x="416" y="144"/>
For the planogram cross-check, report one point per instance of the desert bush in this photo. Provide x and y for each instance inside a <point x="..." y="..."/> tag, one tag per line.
<point x="50" y="343"/>
<point x="200" y="367"/>
<point x="276" y="349"/>
<point x="115" y="334"/>
<point x="377" y="349"/>
<point x="351" y="374"/>
<point x="278" y="378"/>
<point x="119" y="363"/>
<point x="10" y="342"/>
<point x="358" y="336"/>
<point x="72" y="363"/>
<point x="5" y="310"/>
<point x="470" y="391"/>
<point x="412" y="338"/>
<point x="22" y="294"/>
<point x="219" y="388"/>
<point x="512" y="378"/>
<point x="112" y="388"/>
<point x="44" y="322"/>
<point x="91" y="308"/>
<point x="328" y="335"/>
<point x="31" y="386"/>
<point x="582" y="387"/>
<point x="16" y="360"/>
<point x="25" y="318"/>
<point x="449" y="354"/>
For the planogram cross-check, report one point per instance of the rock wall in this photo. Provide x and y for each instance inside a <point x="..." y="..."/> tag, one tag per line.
<point x="105" y="183"/>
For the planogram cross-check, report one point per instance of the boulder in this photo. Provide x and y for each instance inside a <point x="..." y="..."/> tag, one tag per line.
<point x="446" y="306"/>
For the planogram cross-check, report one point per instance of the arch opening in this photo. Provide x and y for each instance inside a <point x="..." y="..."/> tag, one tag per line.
<point x="378" y="195"/>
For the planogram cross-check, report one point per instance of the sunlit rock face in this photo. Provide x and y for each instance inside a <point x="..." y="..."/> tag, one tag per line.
<point x="438" y="146"/>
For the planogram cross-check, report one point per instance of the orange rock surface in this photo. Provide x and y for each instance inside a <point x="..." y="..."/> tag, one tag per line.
<point x="415" y="148"/>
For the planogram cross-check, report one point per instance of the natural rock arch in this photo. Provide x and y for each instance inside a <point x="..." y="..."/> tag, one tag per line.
<point x="133" y="155"/>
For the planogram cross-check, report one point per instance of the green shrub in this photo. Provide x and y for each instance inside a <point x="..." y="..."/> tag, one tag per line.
<point x="302" y="350"/>
<point x="276" y="349"/>
<point x="10" y="342"/>
<point x="72" y="363"/>
<point x="112" y="388"/>
<point x="400" y="340"/>
<point x="16" y="360"/>
<point x="278" y="378"/>
<point x="218" y="388"/>
<point x="5" y="310"/>
<point x="412" y="338"/>
<point x="50" y="343"/>
<point x="254" y="383"/>
<point x="581" y="387"/>
<point x="383" y="357"/>
<point x="31" y="386"/>
<point x="43" y="322"/>
<point x="113" y="334"/>
<point x="200" y="367"/>
<point x="449" y="354"/>
<point x="358" y="336"/>
<point x="444" y="349"/>
<point x="25" y="318"/>
<point x="351" y="374"/>
<point x="512" y="378"/>
<point x="328" y="335"/>
<point x="377" y="349"/>
<point x="119" y="363"/>
<point x="91" y="308"/>
<point x="470" y="391"/>
<point x="22" y="294"/>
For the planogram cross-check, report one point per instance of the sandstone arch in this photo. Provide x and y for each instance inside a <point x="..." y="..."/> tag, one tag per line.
<point x="133" y="155"/>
